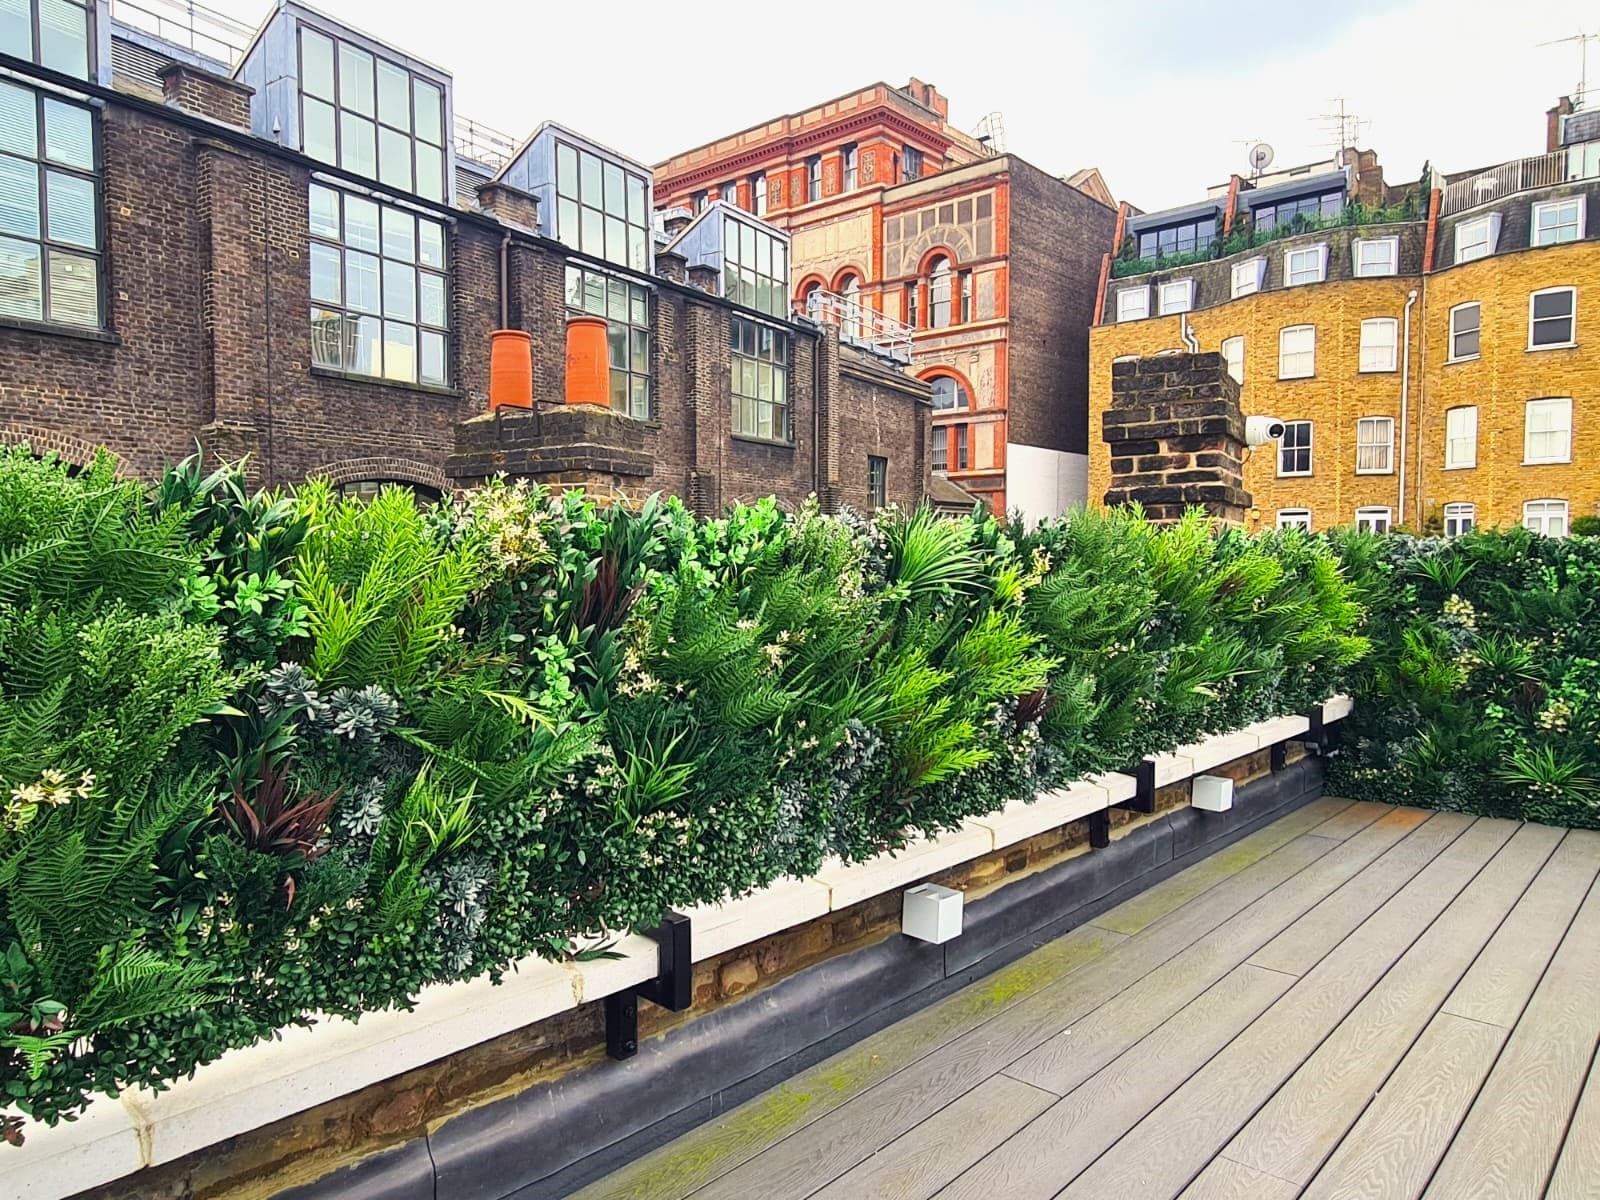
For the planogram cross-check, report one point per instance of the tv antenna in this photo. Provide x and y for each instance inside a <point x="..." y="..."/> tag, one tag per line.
<point x="1583" y="39"/>
<point x="991" y="131"/>
<point x="1260" y="159"/>
<point x="1343" y="128"/>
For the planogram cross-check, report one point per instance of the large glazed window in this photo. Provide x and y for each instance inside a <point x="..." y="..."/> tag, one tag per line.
<point x="373" y="117"/>
<point x="760" y="365"/>
<point x="379" y="289"/>
<point x="755" y="268"/>
<point x="53" y="33"/>
<point x="600" y="207"/>
<point x="626" y="307"/>
<point x="49" y="209"/>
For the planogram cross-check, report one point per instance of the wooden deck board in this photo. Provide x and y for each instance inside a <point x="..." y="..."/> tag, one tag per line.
<point x="1354" y="1003"/>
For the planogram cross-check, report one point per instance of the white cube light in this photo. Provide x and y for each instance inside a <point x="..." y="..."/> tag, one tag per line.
<point x="1212" y="793"/>
<point x="931" y="913"/>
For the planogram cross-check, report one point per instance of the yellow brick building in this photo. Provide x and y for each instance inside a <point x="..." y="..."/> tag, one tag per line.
<point x="1432" y="414"/>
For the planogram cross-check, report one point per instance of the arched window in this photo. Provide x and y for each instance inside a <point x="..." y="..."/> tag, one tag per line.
<point x="948" y="393"/>
<point x="851" y="318"/>
<point x="939" y="293"/>
<point x="811" y="298"/>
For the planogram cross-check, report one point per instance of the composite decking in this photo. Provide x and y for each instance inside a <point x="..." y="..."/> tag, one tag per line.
<point x="1356" y="1001"/>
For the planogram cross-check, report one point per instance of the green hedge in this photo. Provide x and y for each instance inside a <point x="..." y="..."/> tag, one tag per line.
<point x="268" y="756"/>
<point x="1483" y="690"/>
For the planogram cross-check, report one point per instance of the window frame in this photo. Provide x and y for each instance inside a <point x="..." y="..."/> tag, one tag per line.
<point x="1359" y="246"/>
<point x="1451" y="464"/>
<point x="1571" y="318"/>
<point x="631" y="291"/>
<point x="1188" y="297"/>
<point x="1528" y="432"/>
<point x="758" y="193"/>
<point x="91" y="47"/>
<point x="1143" y="292"/>
<point x="941" y="300"/>
<point x="580" y="204"/>
<point x="42" y="241"/>
<point x="1454" y="512"/>
<point x="1369" y="514"/>
<point x="1294" y="518"/>
<point x="1308" y="449"/>
<point x="343" y="248"/>
<point x="779" y="363"/>
<point x="1393" y="347"/>
<point x="1228" y="359"/>
<point x="877" y="480"/>
<point x="1320" y="249"/>
<point x="1284" y="332"/>
<point x="960" y="392"/>
<point x="1454" y="333"/>
<point x="1490" y="226"/>
<point x="963" y="447"/>
<point x="849" y="167"/>
<point x="939" y="459"/>
<point x="1578" y="222"/>
<point x="1547" y="507"/>
<point x="742" y="280"/>
<point x="1258" y="271"/>
<point x="812" y="174"/>
<point x="1386" y="444"/>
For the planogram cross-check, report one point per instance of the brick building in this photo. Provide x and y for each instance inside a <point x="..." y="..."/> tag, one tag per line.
<point x="975" y="267"/>
<point x="1431" y="349"/>
<point x="295" y="251"/>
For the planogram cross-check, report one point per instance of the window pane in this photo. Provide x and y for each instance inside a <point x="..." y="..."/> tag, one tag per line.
<point x="361" y="282"/>
<point x="18" y="134"/>
<point x="639" y="396"/>
<point x="399" y="235"/>
<point x="316" y="64"/>
<point x="74" y="289"/>
<point x="636" y="200"/>
<point x="358" y="148"/>
<point x="430" y="171"/>
<point x="329" y="345"/>
<point x="64" y="37"/>
<point x="619" y="391"/>
<point x="566" y="171"/>
<point x="399" y="291"/>
<point x="399" y="351"/>
<point x="70" y="200"/>
<point x="430" y="243"/>
<point x="19" y="197"/>
<point x="640" y="357"/>
<point x="589" y="176"/>
<point x="363" y="351"/>
<point x="394" y="96"/>
<point x="616" y="201"/>
<point x="616" y="301"/>
<point x="360" y="223"/>
<point x="594" y="237"/>
<point x="432" y="358"/>
<point x="355" y="79"/>
<point x="638" y="307"/>
<point x="617" y="346"/>
<point x="21" y="293"/>
<point x="319" y="135"/>
<point x="1552" y="304"/>
<point x="394" y="159"/>
<point x="432" y="288"/>
<point x="324" y="212"/>
<point x="429" y="101"/>
<point x="16" y="28"/>
<point x="326" y="274"/>
<point x="616" y="240"/>
<point x="636" y="247"/>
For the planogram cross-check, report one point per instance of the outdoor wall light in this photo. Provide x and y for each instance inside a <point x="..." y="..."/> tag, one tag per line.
<point x="1212" y="793"/>
<point x="931" y="913"/>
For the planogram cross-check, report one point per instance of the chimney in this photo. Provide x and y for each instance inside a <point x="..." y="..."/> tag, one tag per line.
<point x="707" y="278"/>
<point x="207" y="95"/>
<point x="1552" y="123"/>
<point x="509" y="205"/>
<point x="676" y="219"/>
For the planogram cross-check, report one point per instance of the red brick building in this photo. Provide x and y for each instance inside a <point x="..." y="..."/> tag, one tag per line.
<point x="975" y="267"/>
<point x="296" y="258"/>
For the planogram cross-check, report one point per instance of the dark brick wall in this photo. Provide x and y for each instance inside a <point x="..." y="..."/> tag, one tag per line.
<point x="208" y="339"/>
<point x="1056" y="236"/>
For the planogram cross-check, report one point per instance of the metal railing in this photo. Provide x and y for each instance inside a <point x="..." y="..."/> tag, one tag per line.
<point x="198" y="29"/>
<point x="859" y="325"/>
<point x="482" y="144"/>
<point x="1518" y="175"/>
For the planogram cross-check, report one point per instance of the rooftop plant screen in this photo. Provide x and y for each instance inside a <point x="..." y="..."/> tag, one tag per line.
<point x="600" y="207"/>
<point x="755" y="268"/>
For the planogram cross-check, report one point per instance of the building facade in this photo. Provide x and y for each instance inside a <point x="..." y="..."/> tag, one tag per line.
<point x="975" y="267"/>
<point x="290" y="252"/>
<point x="1430" y="350"/>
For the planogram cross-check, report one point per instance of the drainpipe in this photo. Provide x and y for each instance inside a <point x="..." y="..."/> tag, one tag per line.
<point x="1405" y="399"/>
<point x="505" y="286"/>
<point x="1187" y="334"/>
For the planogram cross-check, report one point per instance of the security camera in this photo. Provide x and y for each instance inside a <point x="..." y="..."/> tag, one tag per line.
<point x="1260" y="430"/>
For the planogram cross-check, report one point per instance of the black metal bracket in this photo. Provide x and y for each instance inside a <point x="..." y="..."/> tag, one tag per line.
<point x="1318" y="734"/>
<point x="672" y="988"/>
<point x="1279" y="756"/>
<point x="1100" y="829"/>
<point x="1144" y="777"/>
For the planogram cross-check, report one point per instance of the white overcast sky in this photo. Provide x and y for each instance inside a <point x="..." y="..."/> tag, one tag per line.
<point x="1160" y="96"/>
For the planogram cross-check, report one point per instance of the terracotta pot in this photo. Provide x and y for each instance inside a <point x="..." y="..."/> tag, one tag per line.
<point x="510" y="369"/>
<point x="588" y="362"/>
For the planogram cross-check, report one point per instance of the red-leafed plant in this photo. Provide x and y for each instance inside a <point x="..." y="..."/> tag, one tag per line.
<point x="270" y="820"/>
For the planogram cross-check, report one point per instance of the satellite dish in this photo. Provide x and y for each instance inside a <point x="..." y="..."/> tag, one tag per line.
<point x="1260" y="157"/>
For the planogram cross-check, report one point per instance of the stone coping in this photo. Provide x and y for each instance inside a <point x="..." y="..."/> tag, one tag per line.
<point x="304" y="1067"/>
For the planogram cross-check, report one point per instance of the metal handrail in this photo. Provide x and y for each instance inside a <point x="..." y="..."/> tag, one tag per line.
<point x="859" y="325"/>
<point x="482" y="144"/>
<point x="1518" y="175"/>
<point x="197" y="28"/>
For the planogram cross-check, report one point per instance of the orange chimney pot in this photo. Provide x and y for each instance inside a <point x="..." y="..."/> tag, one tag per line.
<point x="588" y="362"/>
<point x="510" y="369"/>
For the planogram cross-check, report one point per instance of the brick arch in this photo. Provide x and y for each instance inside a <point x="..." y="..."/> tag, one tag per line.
<point x="399" y="470"/>
<point x="69" y="449"/>
<point x="954" y="244"/>
<point x="813" y="278"/>
<point x="851" y="269"/>
<point x="934" y="372"/>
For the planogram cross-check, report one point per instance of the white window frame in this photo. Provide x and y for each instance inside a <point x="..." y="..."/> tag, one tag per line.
<point x="1375" y="433"/>
<point x="1255" y="271"/>
<point x="1123" y="296"/>
<point x="1167" y="309"/>
<point x="1455" y="513"/>
<point x="1485" y="232"/>
<point x="1391" y="265"/>
<point x="1576" y="224"/>
<point x="1321" y="252"/>
<point x="1368" y="516"/>
<point x="1309" y="448"/>
<point x="1538" y="515"/>
<point x="1461" y="429"/>
<point x="1294" y="518"/>
<point x="1452" y="356"/>
<point x="1370" y="361"/>
<point x="1553" y="404"/>
<point x="1231" y="359"/>
<point x="1571" y="318"/>
<point x="1282" y="334"/>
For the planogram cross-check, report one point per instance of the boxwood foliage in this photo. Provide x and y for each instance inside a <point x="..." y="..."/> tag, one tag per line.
<point x="265" y="758"/>
<point x="1483" y="691"/>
